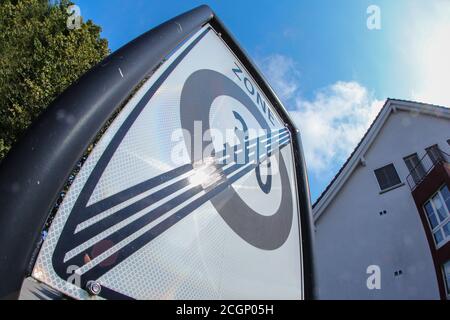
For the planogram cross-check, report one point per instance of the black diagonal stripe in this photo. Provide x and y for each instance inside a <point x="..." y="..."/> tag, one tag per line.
<point x="124" y="213"/>
<point x="149" y="217"/>
<point x="139" y="205"/>
<point x="284" y="140"/>
<point x="125" y="195"/>
<point x="97" y="271"/>
<point x="139" y="223"/>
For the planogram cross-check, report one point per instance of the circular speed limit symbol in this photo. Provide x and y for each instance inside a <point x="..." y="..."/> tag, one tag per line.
<point x="210" y="98"/>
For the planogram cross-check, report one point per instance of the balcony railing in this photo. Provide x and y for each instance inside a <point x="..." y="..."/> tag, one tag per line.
<point x="424" y="167"/>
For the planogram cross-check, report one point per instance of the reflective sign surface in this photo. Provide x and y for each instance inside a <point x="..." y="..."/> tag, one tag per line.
<point x="190" y="194"/>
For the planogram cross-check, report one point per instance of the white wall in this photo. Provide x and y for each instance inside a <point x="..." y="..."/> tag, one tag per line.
<point x="351" y="235"/>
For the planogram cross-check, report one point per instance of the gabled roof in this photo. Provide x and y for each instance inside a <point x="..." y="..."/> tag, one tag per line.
<point x="391" y="105"/>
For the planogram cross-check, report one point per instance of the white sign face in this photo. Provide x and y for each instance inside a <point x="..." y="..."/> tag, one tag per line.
<point x="190" y="194"/>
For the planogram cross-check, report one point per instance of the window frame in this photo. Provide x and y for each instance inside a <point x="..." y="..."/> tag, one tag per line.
<point x="434" y="153"/>
<point x="441" y="225"/>
<point x="391" y="187"/>
<point x="446" y="283"/>
<point x="418" y="172"/>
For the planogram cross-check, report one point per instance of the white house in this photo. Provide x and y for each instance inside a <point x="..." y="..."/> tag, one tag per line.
<point x="389" y="206"/>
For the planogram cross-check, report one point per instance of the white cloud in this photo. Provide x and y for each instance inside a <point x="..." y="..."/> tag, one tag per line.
<point x="336" y="118"/>
<point x="427" y="48"/>
<point x="283" y="74"/>
<point x="332" y="123"/>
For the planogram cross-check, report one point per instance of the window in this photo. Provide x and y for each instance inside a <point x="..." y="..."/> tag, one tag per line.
<point x="438" y="214"/>
<point x="447" y="276"/>
<point x="435" y="154"/>
<point x="415" y="167"/>
<point x="387" y="177"/>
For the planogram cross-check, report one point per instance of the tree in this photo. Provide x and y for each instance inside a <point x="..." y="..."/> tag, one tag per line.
<point x="39" y="58"/>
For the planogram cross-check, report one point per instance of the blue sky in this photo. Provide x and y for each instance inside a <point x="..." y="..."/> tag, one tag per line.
<point x="331" y="71"/>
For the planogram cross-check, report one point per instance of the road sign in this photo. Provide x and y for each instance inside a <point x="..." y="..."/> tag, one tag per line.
<point x="194" y="189"/>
